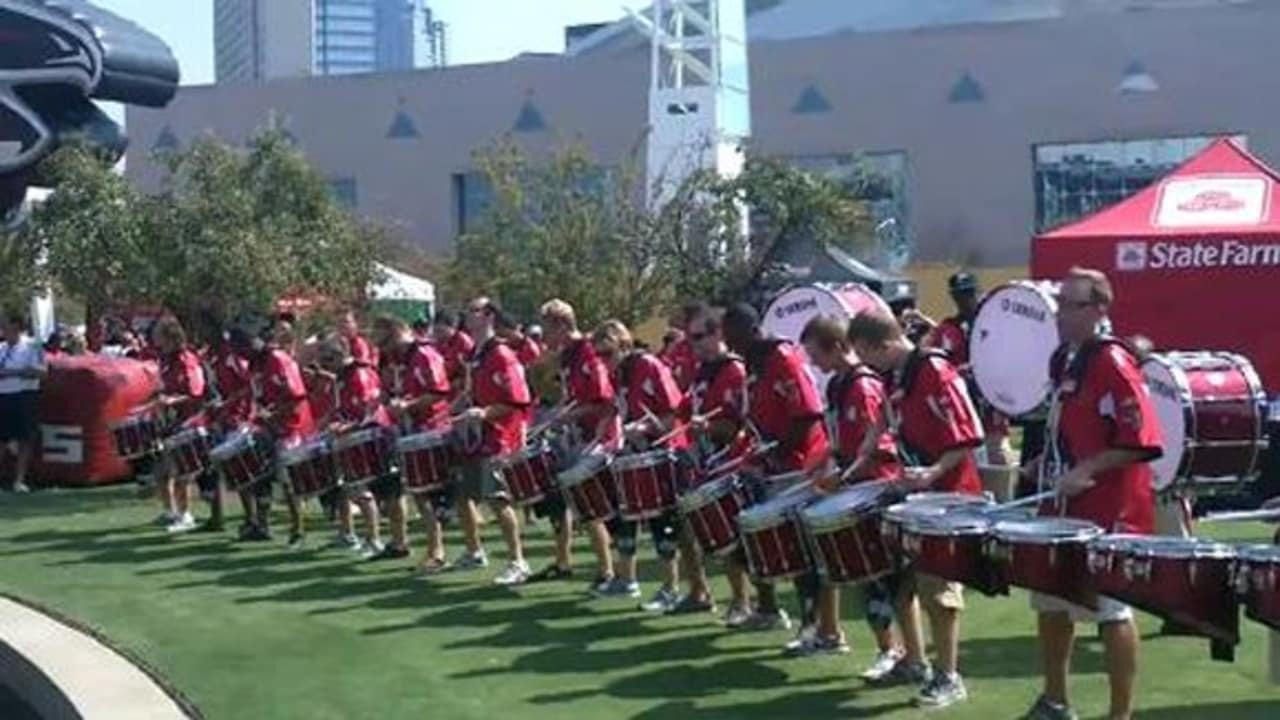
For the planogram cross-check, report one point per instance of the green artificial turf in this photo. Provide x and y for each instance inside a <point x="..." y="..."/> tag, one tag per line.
<point x="254" y="631"/>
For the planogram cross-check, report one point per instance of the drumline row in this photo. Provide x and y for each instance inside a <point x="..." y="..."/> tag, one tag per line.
<point x="858" y="535"/>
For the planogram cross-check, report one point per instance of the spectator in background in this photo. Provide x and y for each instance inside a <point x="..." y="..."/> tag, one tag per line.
<point x="22" y="367"/>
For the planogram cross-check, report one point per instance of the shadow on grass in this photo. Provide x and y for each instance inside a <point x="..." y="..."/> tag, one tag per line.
<point x="1019" y="656"/>
<point x="1246" y="710"/>
<point x="818" y="703"/>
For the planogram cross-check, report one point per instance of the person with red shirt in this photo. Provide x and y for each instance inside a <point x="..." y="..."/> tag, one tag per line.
<point x="864" y="451"/>
<point x="495" y="425"/>
<point x="419" y="392"/>
<point x="951" y="336"/>
<point x="182" y="394"/>
<point x="647" y="400"/>
<point x="345" y="395"/>
<point x="232" y="407"/>
<point x="591" y="425"/>
<point x="678" y="354"/>
<point x="285" y="411"/>
<point x="714" y="408"/>
<point x="455" y="345"/>
<point x="1096" y="457"/>
<point x="362" y="351"/>
<point x="784" y="408"/>
<point x="937" y="429"/>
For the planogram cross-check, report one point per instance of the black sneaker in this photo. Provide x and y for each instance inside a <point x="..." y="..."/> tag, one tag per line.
<point x="258" y="534"/>
<point x="211" y="526"/>
<point x="1046" y="709"/>
<point x="550" y="573"/>
<point x="246" y="530"/>
<point x="690" y="605"/>
<point x="390" y="552"/>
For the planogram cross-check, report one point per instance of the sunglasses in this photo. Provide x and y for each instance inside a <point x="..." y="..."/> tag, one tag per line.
<point x="696" y="336"/>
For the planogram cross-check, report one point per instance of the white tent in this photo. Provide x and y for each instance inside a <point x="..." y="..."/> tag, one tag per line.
<point x="396" y="285"/>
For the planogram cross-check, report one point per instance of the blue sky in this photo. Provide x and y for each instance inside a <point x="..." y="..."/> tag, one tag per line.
<point x="479" y="30"/>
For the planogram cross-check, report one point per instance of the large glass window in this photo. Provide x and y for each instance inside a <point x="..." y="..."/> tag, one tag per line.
<point x="1073" y="180"/>
<point x="472" y="196"/>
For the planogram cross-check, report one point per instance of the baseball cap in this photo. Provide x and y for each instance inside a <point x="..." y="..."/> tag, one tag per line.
<point x="962" y="282"/>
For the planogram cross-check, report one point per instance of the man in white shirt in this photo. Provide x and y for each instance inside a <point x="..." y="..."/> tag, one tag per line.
<point x="22" y="367"/>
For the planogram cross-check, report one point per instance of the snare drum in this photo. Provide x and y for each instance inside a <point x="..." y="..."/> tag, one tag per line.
<point x="188" y="452"/>
<point x="952" y="545"/>
<point x="137" y="435"/>
<point x="711" y="512"/>
<point x="920" y="504"/>
<point x="1047" y="555"/>
<point x="1013" y="336"/>
<point x="1212" y="410"/>
<point x="1257" y="580"/>
<point x="1186" y="580"/>
<point x="310" y="468"/>
<point x="425" y="460"/>
<point x="529" y="474"/>
<point x="588" y="488"/>
<point x="845" y="533"/>
<point x="774" y="537"/>
<point x="363" y="455"/>
<point x="243" y="458"/>
<point x="646" y="484"/>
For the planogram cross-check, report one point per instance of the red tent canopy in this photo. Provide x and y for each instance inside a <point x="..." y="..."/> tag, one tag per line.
<point x="1194" y="258"/>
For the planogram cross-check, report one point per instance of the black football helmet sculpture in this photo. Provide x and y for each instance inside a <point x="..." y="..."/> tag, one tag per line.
<point x="56" y="57"/>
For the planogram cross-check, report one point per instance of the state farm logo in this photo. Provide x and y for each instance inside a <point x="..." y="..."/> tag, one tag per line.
<point x="1212" y="200"/>
<point x="1131" y="256"/>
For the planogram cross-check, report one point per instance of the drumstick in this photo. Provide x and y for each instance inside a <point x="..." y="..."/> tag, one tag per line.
<point x="1242" y="516"/>
<point x="556" y="417"/>
<point x="738" y="461"/>
<point x="677" y="430"/>
<point x="1028" y="500"/>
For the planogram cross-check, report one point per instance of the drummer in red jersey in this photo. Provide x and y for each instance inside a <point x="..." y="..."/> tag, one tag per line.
<point x="952" y="337"/>
<point x="496" y="425"/>
<point x="419" y="392"/>
<point x="591" y="425"/>
<point x="647" y="399"/>
<point x="286" y="412"/>
<point x="362" y="351"/>
<point x="233" y="378"/>
<point x="937" y="429"/>
<point x="184" y="387"/>
<point x="714" y="406"/>
<point x="678" y="354"/>
<point x="454" y="345"/>
<point x="347" y="396"/>
<point x="1106" y="434"/>
<point x="783" y="405"/>
<point x="864" y="451"/>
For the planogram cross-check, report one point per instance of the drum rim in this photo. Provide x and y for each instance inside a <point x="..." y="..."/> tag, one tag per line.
<point x="818" y="516"/>
<point x="944" y="498"/>
<point x="780" y="513"/>
<point x="357" y="437"/>
<point x="304" y="452"/>
<point x="631" y="461"/>
<point x="415" y="441"/>
<point x="703" y="492"/>
<point x="949" y="525"/>
<point x="1164" y="546"/>
<point x="1259" y="552"/>
<point x="1084" y="530"/>
<point x="568" y="478"/>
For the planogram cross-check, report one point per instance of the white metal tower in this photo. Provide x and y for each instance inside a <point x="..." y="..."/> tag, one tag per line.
<point x="699" y="93"/>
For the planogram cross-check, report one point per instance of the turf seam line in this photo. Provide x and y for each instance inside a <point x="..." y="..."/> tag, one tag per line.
<point x="184" y="703"/>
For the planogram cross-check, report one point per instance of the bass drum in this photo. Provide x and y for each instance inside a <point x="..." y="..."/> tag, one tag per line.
<point x="790" y="311"/>
<point x="1013" y="337"/>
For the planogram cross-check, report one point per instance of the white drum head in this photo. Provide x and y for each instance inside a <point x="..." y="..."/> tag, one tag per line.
<point x="1012" y="340"/>
<point x="1167" y="391"/>
<point x="788" y="314"/>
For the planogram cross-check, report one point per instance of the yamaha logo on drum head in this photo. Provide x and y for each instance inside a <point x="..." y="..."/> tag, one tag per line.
<point x="1027" y="311"/>
<point x="799" y="306"/>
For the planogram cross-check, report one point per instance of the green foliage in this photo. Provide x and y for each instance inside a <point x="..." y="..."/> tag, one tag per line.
<point x="229" y="233"/>
<point x="575" y="229"/>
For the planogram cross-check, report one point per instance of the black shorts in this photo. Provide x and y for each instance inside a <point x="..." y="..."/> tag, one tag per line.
<point x="19" y="416"/>
<point x="387" y="487"/>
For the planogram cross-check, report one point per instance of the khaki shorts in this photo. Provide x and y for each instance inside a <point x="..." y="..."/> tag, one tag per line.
<point x="933" y="591"/>
<point x="1109" y="611"/>
<point x="480" y="480"/>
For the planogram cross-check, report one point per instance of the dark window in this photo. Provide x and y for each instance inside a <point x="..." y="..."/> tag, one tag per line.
<point x="811" y="102"/>
<point x="346" y="192"/>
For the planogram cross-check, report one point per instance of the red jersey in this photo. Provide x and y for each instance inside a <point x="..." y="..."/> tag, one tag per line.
<point x="719" y="384"/>
<point x="362" y="351"/>
<point x="322" y="393"/>
<point x="182" y="373"/>
<point x="951" y="336"/>
<point x="360" y="396"/>
<point x="234" y="377"/>
<point x="585" y="379"/>
<point x="282" y="384"/>
<point x="780" y="393"/>
<point x="457" y="352"/>
<point x="644" y="383"/>
<point x="498" y="379"/>
<point x="682" y="361"/>
<point x="855" y="407"/>
<point x="1104" y="404"/>
<point x="420" y="371"/>
<point x="528" y="351"/>
<point x="931" y="413"/>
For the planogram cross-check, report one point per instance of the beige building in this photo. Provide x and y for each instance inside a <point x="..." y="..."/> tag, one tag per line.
<point x="989" y="119"/>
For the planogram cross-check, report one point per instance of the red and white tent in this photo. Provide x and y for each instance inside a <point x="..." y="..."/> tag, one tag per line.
<point x="1194" y="259"/>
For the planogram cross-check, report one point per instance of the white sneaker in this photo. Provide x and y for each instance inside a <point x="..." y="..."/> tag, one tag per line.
<point x="165" y="519"/>
<point x="471" y="561"/>
<point x="21" y="488"/>
<point x="516" y="573"/>
<point x="882" y="665"/>
<point x="368" y="549"/>
<point x="345" y="540"/>
<point x="184" y="523"/>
